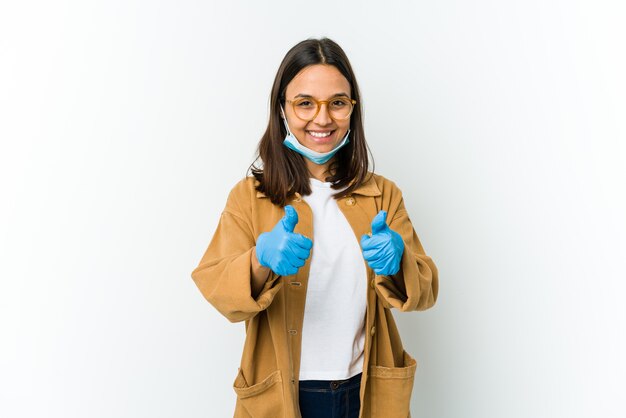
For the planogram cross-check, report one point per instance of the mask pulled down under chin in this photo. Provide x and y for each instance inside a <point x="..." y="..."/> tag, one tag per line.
<point x="292" y="142"/>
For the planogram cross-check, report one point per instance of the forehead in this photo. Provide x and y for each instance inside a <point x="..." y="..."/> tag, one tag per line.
<point x="319" y="81"/>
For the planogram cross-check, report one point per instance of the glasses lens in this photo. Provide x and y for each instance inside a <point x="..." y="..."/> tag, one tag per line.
<point x="305" y="108"/>
<point x="340" y="108"/>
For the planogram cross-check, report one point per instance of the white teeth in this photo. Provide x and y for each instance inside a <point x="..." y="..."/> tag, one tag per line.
<point x="320" y="135"/>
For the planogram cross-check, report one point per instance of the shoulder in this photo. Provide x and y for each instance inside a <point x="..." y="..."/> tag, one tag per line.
<point x="390" y="196"/>
<point x="244" y="186"/>
<point x="384" y="184"/>
<point x="242" y="195"/>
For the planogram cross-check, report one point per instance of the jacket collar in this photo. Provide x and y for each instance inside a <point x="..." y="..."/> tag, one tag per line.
<point x="367" y="188"/>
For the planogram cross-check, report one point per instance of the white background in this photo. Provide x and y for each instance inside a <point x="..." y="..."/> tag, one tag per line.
<point x="124" y="124"/>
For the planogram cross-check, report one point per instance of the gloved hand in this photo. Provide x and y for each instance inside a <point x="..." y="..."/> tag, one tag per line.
<point x="383" y="249"/>
<point x="281" y="249"/>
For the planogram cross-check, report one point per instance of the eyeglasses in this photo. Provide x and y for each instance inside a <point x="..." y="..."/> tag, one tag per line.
<point x="307" y="108"/>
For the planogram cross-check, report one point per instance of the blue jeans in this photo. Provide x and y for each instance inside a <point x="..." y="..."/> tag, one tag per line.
<point x="330" y="398"/>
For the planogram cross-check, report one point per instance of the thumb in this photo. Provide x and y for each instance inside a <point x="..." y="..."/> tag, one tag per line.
<point x="290" y="219"/>
<point x="379" y="224"/>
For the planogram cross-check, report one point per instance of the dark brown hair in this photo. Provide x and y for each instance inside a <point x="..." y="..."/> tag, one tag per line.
<point x="284" y="171"/>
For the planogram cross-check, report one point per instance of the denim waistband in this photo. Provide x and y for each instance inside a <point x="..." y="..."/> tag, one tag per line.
<point x="331" y="384"/>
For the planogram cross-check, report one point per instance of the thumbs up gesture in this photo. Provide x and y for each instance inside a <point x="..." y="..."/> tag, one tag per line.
<point x="383" y="249"/>
<point x="282" y="250"/>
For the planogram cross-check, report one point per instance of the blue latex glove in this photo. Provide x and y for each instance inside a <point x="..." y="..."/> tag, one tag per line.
<point x="383" y="249"/>
<point x="281" y="249"/>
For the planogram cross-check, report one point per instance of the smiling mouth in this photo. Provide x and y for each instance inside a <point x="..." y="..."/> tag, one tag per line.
<point x="320" y="134"/>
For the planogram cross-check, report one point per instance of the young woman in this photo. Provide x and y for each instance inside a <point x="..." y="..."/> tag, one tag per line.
<point x="312" y="252"/>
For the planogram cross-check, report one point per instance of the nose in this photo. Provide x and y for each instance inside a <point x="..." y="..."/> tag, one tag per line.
<point x="323" y="117"/>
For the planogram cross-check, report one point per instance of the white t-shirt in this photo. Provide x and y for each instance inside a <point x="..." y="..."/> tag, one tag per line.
<point x="333" y="334"/>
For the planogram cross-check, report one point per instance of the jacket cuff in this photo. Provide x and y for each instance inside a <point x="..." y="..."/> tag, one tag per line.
<point x="410" y="288"/>
<point x="226" y="285"/>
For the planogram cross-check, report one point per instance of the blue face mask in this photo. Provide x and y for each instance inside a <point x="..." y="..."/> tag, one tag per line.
<point x="292" y="142"/>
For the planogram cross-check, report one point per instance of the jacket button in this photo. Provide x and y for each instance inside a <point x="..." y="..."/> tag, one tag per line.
<point x="293" y="331"/>
<point x="373" y="331"/>
<point x="350" y="201"/>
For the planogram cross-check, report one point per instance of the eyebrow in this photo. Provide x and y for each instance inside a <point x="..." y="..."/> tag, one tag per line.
<point x="311" y="97"/>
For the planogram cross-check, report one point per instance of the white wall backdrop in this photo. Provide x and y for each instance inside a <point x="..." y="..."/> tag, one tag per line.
<point x="124" y="124"/>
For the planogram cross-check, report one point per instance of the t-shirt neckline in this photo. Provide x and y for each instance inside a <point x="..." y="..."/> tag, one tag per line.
<point x="320" y="184"/>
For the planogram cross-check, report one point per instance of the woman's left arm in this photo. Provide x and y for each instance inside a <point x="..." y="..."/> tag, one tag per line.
<point x="415" y="286"/>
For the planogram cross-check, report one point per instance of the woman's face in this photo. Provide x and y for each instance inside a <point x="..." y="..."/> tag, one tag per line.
<point x="321" y="82"/>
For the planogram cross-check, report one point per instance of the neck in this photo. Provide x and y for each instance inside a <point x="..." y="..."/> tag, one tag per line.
<point x="319" y="171"/>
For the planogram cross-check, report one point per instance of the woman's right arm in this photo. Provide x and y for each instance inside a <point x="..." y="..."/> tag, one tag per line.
<point x="229" y="276"/>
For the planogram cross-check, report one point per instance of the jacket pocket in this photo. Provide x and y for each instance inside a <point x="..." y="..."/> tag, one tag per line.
<point x="261" y="400"/>
<point x="391" y="389"/>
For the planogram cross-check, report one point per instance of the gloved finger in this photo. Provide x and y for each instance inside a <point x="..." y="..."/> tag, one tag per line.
<point x="377" y="253"/>
<point x="387" y="266"/>
<point x="286" y="268"/>
<point x="289" y="253"/>
<point x="290" y="219"/>
<point x="291" y="270"/>
<point x="295" y="262"/>
<point x="388" y="256"/>
<point x="301" y="241"/>
<point x="371" y="254"/>
<point x="298" y="262"/>
<point x="299" y="252"/>
<point x="377" y="241"/>
<point x="381" y="252"/>
<point x="376" y="264"/>
<point x="379" y="222"/>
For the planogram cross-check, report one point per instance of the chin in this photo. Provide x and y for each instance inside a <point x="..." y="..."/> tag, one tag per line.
<point x="324" y="148"/>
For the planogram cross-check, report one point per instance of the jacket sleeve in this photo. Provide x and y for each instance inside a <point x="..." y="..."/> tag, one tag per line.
<point x="223" y="275"/>
<point x="415" y="286"/>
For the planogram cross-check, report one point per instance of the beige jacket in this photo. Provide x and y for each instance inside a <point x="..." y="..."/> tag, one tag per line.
<point x="267" y="380"/>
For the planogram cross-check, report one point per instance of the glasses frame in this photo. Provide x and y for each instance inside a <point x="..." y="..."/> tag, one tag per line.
<point x="319" y="104"/>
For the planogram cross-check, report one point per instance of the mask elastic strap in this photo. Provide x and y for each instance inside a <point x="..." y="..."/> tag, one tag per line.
<point x="285" y="120"/>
